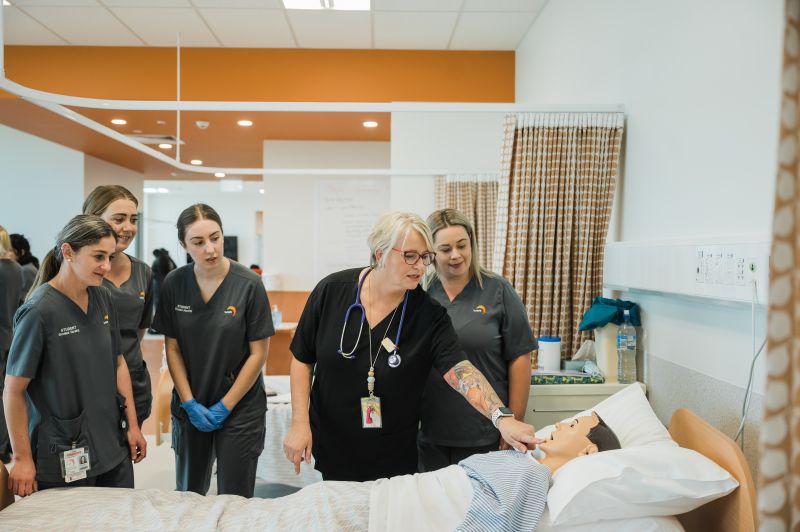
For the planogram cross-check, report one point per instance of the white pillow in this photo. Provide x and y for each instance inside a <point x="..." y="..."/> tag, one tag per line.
<point x="641" y="524"/>
<point x="648" y="480"/>
<point x="630" y="416"/>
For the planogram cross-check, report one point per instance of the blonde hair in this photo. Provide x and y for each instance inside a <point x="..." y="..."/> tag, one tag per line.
<point x="444" y="218"/>
<point x="389" y="228"/>
<point x="5" y="242"/>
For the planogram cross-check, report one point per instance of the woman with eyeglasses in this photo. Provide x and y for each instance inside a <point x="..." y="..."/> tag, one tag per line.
<point x="370" y="337"/>
<point x="493" y="329"/>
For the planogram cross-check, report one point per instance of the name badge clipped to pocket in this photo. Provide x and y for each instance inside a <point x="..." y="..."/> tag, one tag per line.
<point x="371" y="412"/>
<point x="75" y="464"/>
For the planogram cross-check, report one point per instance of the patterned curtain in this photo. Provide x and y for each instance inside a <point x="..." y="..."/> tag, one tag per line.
<point x="779" y="480"/>
<point x="555" y="193"/>
<point x="476" y="196"/>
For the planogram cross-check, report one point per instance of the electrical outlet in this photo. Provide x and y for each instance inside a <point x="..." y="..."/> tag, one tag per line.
<point x="751" y="269"/>
<point x="729" y="273"/>
<point x="740" y="275"/>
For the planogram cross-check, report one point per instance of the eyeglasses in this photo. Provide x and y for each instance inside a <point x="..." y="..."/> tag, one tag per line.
<point x="411" y="257"/>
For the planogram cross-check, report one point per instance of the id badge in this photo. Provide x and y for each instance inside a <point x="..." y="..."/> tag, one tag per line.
<point x="75" y="464"/>
<point x="371" y="412"/>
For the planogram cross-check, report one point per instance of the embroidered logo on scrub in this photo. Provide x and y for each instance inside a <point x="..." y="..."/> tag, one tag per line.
<point x="105" y="319"/>
<point x="72" y="329"/>
<point x="183" y="308"/>
<point x="480" y="309"/>
<point x="231" y="310"/>
<point x="141" y="295"/>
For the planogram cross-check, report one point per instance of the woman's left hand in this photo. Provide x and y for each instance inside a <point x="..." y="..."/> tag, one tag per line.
<point x="519" y="435"/>
<point x="137" y="445"/>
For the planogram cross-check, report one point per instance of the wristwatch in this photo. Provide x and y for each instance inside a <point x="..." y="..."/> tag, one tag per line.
<point x="503" y="411"/>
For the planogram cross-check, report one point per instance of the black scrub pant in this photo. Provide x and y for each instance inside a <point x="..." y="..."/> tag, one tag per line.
<point x="236" y="447"/>
<point x="433" y="456"/>
<point x="120" y="476"/>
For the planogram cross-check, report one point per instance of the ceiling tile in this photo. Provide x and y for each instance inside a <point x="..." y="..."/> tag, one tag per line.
<point x="331" y="29"/>
<point x="87" y="26"/>
<point x="158" y="26"/>
<point x="491" y="31"/>
<point x="240" y="4"/>
<point x="147" y="3"/>
<point x="55" y="3"/>
<point x="413" y="31"/>
<point x="504" y="5"/>
<point x="19" y="28"/>
<point x="250" y="28"/>
<point x="416" y="5"/>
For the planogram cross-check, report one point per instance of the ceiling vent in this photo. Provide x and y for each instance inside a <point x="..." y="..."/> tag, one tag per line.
<point x="155" y="139"/>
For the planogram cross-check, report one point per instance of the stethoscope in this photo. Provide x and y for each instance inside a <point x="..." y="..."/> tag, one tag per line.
<point x="394" y="358"/>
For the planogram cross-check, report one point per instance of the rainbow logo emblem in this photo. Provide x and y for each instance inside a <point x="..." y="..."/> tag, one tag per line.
<point x="231" y="310"/>
<point x="480" y="309"/>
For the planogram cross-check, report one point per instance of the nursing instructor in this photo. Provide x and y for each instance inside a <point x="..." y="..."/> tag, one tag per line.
<point x="370" y="336"/>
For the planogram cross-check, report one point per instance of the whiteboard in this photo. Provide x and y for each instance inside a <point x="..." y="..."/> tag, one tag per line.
<point x="345" y="211"/>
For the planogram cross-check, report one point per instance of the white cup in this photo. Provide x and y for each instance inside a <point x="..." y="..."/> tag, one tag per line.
<point x="549" y="353"/>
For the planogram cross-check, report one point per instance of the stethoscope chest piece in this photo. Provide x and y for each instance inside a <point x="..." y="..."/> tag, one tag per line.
<point x="394" y="360"/>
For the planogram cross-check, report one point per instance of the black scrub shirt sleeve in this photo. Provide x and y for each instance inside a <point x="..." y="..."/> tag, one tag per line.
<point x="113" y="322"/>
<point x="164" y="319"/>
<point x="147" y="311"/>
<point x="444" y="342"/>
<point x="259" y="317"/>
<point x="515" y="328"/>
<point x="27" y="345"/>
<point x="303" y="345"/>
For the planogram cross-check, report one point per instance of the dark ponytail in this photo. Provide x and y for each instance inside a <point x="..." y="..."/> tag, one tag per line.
<point x="82" y="230"/>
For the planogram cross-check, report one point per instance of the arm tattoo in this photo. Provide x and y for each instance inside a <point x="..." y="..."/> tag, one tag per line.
<point x="469" y="382"/>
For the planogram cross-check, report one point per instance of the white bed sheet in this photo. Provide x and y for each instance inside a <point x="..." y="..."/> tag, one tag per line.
<point x="642" y="524"/>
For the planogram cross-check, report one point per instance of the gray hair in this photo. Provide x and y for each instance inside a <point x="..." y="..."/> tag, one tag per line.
<point x="389" y="229"/>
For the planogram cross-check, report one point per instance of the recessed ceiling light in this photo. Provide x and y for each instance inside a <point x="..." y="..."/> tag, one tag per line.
<point x="119" y="121"/>
<point x="196" y="161"/>
<point x="137" y="131"/>
<point x="219" y="174"/>
<point x="165" y="146"/>
<point x="342" y="5"/>
<point x="370" y="123"/>
<point x="161" y="122"/>
<point x="6" y="3"/>
<point x="245" y="123"/>
<point x="260" y="190"/>
<point x="162" y="190"/>
<point x="150" y="190"/>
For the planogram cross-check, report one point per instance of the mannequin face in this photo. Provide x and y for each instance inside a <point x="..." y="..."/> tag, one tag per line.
<point x="569" y="439"/>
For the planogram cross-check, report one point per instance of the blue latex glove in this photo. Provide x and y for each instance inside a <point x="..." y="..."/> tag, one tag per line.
<point x="199" y="416"/>
<point x="219" y="413"/>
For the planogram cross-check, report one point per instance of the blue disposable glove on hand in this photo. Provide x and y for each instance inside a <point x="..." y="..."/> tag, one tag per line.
<point x="199" y="416"/>
<point x="219" y="413"/>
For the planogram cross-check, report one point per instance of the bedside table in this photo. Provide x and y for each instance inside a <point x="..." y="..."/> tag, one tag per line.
<point x="549" y="403"/>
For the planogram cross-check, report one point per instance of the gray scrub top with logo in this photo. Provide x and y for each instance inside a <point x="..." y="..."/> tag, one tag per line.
<point x="134" y="303"/>
<point x="10" y="288"/>
<point x="71" y="358"/>
<point x="214" y="337"/>
<point x="493" y="329"/>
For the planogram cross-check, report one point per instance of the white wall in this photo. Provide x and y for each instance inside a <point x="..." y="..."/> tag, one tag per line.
<point x="42" y="185"/>
<point x="700" y="82"/>
<point x="98" y="172"/>
<point x="236" y="209"/>
<point x="290" y="220"/>
<point x="440" y="142"/>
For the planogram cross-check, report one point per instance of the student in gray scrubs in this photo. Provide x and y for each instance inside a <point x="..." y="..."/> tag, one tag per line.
<point x="10" y="287"/>
<point x="492" y="328"/>
<point x="68" y="392"/>
<point x="130" y="284"/>
<point x="215" y="317"/>
<point x="21" y="249"/>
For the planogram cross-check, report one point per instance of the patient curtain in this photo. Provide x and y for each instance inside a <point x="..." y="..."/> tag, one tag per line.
<point x="475" y="195"/>
<point x="557" y="181"/>
<point x="779" y="484"/>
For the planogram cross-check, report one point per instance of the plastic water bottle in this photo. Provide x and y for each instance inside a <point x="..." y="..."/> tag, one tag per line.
<point x="626" y="351"/>
<point x="277" y="316"/>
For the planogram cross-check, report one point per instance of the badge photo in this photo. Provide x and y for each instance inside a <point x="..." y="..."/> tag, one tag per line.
<point x="371" y="412"/>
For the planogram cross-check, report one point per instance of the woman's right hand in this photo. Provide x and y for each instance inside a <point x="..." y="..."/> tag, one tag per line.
<point x="22" y="479"/>
<point x="297" y="445"/>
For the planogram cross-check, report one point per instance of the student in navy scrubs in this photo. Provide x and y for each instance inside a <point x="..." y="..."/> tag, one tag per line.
<point x="130" y="283"/>
<point x="370" y="336"/>
<point x="493" y="330"/>
<point x="215" y="317"/>
<point x="67" y="388"/>
<point x="11" y="280"/>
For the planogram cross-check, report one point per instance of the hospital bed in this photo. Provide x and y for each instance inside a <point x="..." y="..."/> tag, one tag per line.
<point x="345" y="505"/>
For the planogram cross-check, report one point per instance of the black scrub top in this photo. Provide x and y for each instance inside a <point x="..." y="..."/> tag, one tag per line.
<point x="134" y="303"/>
<point x="493" y="329"/>
<point x="71" y="359"/>
<point x="343" y="450"/>
<point x="10" y="288"/>
<point x="214" y="337"/>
